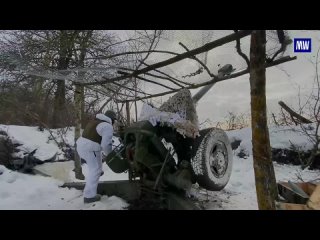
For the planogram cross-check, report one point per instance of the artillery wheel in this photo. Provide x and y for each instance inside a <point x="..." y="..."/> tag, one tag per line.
<point x="212" y="159"/>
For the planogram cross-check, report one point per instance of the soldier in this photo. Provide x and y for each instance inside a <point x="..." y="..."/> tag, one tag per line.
<point x="96" y="140"/>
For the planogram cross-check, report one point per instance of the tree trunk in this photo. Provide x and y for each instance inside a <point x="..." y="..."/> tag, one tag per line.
<point x="59" y="98"/>
<point x="83" y="115"/>
<point x="59" y="105"/>
<point x="78" y="96"/>
<point x="79" y="102"/>
<point x="128" y="113"/>
<point x="266" y="186"/>
<point x="135" y="101"/>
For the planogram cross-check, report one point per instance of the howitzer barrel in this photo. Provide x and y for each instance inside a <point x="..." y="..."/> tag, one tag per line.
<point x="201" y="93"/>
<point x="226" y="69"/>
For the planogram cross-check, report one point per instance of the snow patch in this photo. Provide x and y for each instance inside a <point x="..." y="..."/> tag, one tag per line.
<point x="31" y="192"/>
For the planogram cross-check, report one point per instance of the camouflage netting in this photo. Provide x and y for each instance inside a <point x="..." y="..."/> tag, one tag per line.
<point x="182" y="104"/>
<point x="178" y="112"/>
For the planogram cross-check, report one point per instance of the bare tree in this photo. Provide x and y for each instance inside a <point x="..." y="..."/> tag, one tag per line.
<point x="266" y="186"/>
<point x="47" y="59"/>
<point x="69" y="54"/>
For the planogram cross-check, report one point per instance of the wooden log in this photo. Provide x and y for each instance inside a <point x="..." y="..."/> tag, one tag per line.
<point x="314" y="201"/>
<point x="291" y="206"/>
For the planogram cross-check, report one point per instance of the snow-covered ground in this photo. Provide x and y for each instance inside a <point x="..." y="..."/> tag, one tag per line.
<point x="22" y="191"/>
<point x="240" y="192"/>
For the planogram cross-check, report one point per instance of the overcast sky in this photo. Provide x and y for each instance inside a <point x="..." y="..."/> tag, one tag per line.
<point x="283" y="81"/>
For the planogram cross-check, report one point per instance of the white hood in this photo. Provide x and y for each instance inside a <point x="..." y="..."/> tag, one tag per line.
<point x="103" y="117"/>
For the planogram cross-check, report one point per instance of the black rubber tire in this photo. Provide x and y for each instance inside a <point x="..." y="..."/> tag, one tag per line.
<point x="201" y="149"/>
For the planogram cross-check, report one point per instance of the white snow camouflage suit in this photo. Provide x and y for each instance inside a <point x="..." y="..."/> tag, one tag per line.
<point x="91" y="150"/>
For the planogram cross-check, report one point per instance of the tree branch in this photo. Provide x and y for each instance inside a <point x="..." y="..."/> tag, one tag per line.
<point x="165" y="78"/>
<point x="240" y="73"/>
<point x="107" y="94"/>
<point x="150" y="49"/>
<point x="200" y="62"/>
<point x="130" y="89"/>
<point x="180" y="57"/>
<point x="147" y="80"/>
<point x="156" y="76"/>
<point x="133" y="53"/>
<point x="238" y="47"/>
<point x="160" y="84"/>
<point x="167" y="75"/>
<point x="284" y="43"/>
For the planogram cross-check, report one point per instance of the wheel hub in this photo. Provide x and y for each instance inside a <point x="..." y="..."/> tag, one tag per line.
<point x="218" y="160"/>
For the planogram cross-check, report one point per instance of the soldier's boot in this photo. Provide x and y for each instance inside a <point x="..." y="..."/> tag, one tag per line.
<point x="93" y="199"/>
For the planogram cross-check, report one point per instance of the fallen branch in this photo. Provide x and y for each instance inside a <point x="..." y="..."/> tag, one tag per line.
<point x="292" y="113"/>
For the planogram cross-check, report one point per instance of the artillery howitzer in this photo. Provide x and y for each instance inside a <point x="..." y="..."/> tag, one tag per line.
<point x="165" y="153"/>
<point x="203" y="157"/>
